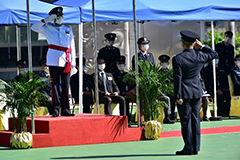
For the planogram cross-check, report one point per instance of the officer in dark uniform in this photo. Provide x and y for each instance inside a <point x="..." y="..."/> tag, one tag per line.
<point x="143" y="55"/>
<point x="87" y="88"/>
<point x="109" y="53"/>
<point x="126" y="89"/>
<point x="226" y="62"/>
<point x="47" y="89"/>
<point x="235" y="76"/>
<point x="170" y="111"/>
<point x="188" y="89"/>
<point x="22" y="68"/>
<point x="207" y="75"/>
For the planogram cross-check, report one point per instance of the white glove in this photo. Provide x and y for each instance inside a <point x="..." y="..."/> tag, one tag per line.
<point x="50" y="18"/>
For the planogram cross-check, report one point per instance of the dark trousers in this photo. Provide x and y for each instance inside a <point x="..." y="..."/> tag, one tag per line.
<point x="87" y="102"/>
<point x="204" y="106"/>
<point x="49" y="106"/>
<point x="56" y="73"/>
<point x="173" y="103"/>
<point x="190" y="123"/>
<point x="115" y="99"/>
<point x="223" y="104"/>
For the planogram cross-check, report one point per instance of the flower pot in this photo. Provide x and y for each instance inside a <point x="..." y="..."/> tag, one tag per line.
<point x="21" y="140"/>
<point x="153" y="130"/>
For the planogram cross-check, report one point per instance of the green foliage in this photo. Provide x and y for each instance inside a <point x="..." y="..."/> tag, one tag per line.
<point x="152" y="82"/>
<point x="219" y="37"/>
<point x="21" y="96"/>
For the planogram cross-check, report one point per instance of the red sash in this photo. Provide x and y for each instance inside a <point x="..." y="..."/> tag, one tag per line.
<point x="67" y="68"/>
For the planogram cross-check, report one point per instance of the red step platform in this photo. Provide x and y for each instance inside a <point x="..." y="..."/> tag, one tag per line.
<point x="77" y="130"/>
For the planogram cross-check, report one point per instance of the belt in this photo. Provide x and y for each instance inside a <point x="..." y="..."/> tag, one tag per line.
<point x="67" y="68"/>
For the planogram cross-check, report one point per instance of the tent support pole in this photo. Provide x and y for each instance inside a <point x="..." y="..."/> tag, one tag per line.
<point x="95" y="56"/>
<point x="30" y="57"/>
<point x="136" y="63"/>
<point x="18" y="38"/>
<point x="215" y="117"/>
<point x="80" y="46"/>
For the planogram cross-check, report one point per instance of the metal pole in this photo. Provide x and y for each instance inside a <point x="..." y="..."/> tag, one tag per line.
<point x="80" y="33"/>
<point x="136" y="62"/>
<point x="232" y="24"/>
<point x="30" y="57"/>
<point x="18" y="38"/>
<point x="95" y="55"/>
<point x="214" y="74"/>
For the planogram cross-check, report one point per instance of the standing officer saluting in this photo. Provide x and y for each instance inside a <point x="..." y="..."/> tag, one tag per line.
<point x="60" y="57"/>
<point x="188" y="89"/>
<point x="110" y="53"/>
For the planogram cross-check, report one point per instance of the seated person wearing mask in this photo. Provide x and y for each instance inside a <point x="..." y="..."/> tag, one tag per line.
<point x="164" y="62"/>
<point x="87" y="87"/>
<point x="126" y="90"/>
<point x="108" y="90"/>
<point x="22" y="68"/>
<point x="46" y="90"/>
<point x="235" y="76"/>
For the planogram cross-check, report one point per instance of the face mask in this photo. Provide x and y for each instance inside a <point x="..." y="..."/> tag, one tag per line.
<point x="238" y="63"/>
<point x="46" y="69"/>
<point x="24" y="70"/>
<point x="165" y="65"/>
<point x="227" y="39"/>
<point x="121" y="67"/>
<point x="101" y="66"/>
<point x="216" y="61"/>
<point x="145" y="47"/>
<point x="59" y="20"/>
<point x="110" y="43"/>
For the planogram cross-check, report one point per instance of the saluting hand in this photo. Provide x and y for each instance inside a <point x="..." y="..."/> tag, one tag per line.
<point x="180" y="101"/>
<point x="197" y="44"/>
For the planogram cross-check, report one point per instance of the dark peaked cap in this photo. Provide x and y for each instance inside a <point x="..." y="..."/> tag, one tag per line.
<point x="42" y="62"/>
<point x="22" y="63"/>
<point x="189" y="36"/>
<point x="110" y="36"/>
<point x="237" y="57"/>
<point x="57" y="10"/>
<point x="163" y="58"/>
<point x="121" y="59"/>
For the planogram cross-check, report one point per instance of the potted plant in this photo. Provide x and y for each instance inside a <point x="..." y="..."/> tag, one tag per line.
<point x="152" y="83"/>
<point x="19" y="97"/>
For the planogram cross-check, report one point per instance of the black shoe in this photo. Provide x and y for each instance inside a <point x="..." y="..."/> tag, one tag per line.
<point x="184" y="153"/>
<point x="67" y="113"/>
<point x="205" y="119"/>
<point x="168" y="121"/>
<point x="195" y="152"/>
<point x="55" y="113"/>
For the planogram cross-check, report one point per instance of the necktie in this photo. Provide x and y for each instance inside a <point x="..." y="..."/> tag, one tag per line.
<point x="104" y="82"/>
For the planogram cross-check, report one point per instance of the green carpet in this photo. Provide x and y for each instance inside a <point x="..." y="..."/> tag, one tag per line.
<point x="217" y="146"/>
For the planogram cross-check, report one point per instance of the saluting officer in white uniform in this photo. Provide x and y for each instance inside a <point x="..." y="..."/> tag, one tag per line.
<point x="60" y="57"/>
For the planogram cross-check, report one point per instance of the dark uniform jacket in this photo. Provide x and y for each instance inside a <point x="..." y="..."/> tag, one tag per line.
<point x="111" y="84"/>
<point x="235" y="76"/>
<point x="226" y="56"/>
<point x="186" y="68"/>
<point x="110" y="55"/>
<point x="46" y="90"/>
<point x="149" y="58"/>
<point x="207" y="75"/>
<point x="74" y="84"/>
<point x="123" y="86"/>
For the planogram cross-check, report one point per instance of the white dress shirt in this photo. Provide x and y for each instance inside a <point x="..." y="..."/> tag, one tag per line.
<point x="59" y="36"/>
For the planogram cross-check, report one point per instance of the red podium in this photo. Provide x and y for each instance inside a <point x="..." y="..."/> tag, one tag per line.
<point x="77" y="130"/>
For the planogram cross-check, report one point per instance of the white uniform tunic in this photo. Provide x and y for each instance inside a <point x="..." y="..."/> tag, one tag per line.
<point x="59" y="36"/>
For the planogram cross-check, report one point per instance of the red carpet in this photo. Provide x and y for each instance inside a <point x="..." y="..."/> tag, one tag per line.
<point x="77" y="130"/>
<point x="204" y="131"/>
